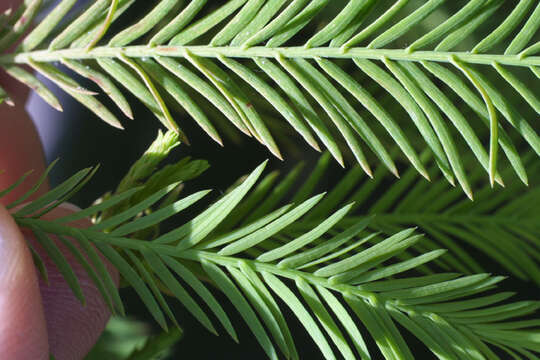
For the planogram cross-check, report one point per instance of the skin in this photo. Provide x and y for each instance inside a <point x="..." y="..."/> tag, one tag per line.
<point x="36" y="318"/>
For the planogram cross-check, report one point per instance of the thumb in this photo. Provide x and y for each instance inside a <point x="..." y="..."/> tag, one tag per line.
<point x="20" y="151"/>
<point x="23" y="331"/>
<point x="72" y="328"/>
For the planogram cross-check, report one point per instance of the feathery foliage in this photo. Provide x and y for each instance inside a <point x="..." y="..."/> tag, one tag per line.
<point x="322" y="66"/>
<point x="501" y="224"/>
<point x="332" y="277"/>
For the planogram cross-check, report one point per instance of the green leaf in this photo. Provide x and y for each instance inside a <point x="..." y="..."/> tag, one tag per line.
<point x="265" y="313"/>
<point x="22" y="19"/>
<point x="151" y="281"/>
<point x="278" y="193"/>
<point x="101" y="269"/>
<point x="198" y="228"/>
<point x="346" y="320"/>
<point x="33" y="83"/>
<point x="301" y="313"/>
<point x="104" y="82"/>
<point x="46" y="26"/>
<point x="179" y="22"/>
<point x="120" y="218"/>
<point x="240" y="303"/>
<point x="51" y="196"/>
<point x="39" y="264"/>
<point x="364" y="256"/>
<point x="159" y="215"/>
<point x="178" y="290"/>
<point x="306" y="258"/>
<point x="13" y="186"/>
<point x="202" y="291"/>
<point x="271" y="303"/>
<point x="248" y="229"/>
<point x="399" y="267"/>
<point x="305" y="239"/>
<point x="169" y="83"/>
<point x="102" y="206"/>
<point x="129" y="274"/>
<point x="273" y="98"/>
<point x="324" y="318"/>
<point x="89" y="270"/>
<point x="270" y="229"/>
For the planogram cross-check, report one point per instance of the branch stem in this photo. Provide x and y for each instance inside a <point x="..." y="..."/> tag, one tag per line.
<point x="189" y="254"/>
<point x="142" y="51"/>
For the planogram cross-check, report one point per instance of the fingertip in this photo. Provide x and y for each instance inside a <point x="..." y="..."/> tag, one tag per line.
<point x="20" y="151"/>
<point x="73" y="329"/>
<point x="23" y="332"/>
